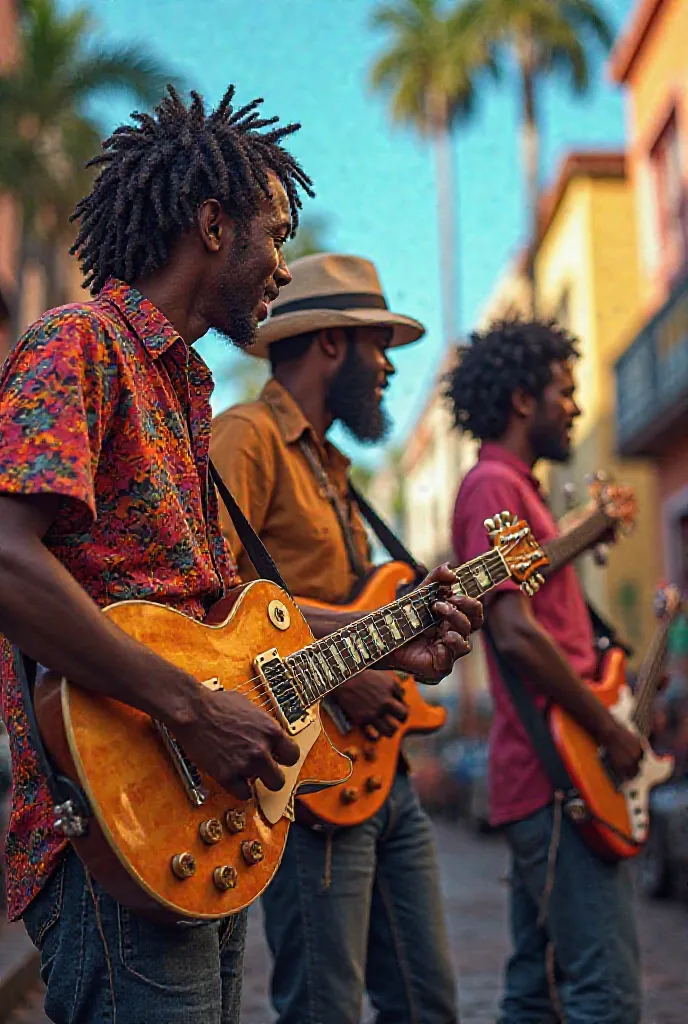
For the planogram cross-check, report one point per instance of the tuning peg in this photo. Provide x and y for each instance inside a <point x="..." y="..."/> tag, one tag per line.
<point x="506" y="517"/>
<point x="498" y="521"/>
<point x="539" y="578"/>
<point x="526" y="588"/>
<point x="489" y="525"/>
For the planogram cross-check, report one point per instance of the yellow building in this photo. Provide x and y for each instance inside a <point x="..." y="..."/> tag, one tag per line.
<point x="588" y="278"/>
<point x="651" y="62"/>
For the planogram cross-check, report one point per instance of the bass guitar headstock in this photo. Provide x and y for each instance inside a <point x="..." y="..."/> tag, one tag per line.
<point x="524" y="557"/>
<point x="616" y="502"/>
<point x="668" y="603"/>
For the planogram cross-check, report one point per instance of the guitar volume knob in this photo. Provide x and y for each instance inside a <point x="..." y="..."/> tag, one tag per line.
<point x="183" y="866"/>
<point x="352" y="752"/>
<point x="348" y="795"/>
<point x="210" y="831"/>
<point x="373" y="783"/>
<point x="225" y="878"/>
<point x="252" y="851"/>
<point x="369" y="752"/>
<point x="235" y="820"/>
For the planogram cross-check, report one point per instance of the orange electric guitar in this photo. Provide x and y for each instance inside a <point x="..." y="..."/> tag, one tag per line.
<point x="618" y="820"/>
<point x="162" y="837"/>
<point x="374" y="757"/>
<point x="375" y="760"/>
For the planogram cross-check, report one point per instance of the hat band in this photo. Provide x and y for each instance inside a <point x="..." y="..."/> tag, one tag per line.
<point x="339" y="300"/>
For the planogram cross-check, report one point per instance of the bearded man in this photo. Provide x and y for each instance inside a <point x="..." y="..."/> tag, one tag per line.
<point x="356" y="908"/>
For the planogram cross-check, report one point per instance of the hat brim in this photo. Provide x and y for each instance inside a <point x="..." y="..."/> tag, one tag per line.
<point x="278" y="328"/>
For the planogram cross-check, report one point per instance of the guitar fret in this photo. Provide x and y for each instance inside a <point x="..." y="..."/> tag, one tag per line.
<point x="394" y="630"/>
<point x="375" y="636"/>
<point x="339" y="661"/>
<point x="349" y="644"/>
<point x="360" y="644"/>
<point x="322" y="662"/>
<point x="411" y="615"/>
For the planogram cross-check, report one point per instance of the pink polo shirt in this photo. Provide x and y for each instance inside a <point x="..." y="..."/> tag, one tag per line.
<point x="500" y="481"/>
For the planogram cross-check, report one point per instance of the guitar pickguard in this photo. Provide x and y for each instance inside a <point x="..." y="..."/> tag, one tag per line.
<point x="275" y="804"/>
<point x="653" y="770"/>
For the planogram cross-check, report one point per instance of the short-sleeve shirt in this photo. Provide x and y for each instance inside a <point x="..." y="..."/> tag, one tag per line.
<point x="256" y="449"/>
<point x="500" y="481"/>
<point x="105" y="405"/>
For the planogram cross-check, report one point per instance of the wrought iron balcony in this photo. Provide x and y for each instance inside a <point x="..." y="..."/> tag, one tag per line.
<point x="652" y="380"/>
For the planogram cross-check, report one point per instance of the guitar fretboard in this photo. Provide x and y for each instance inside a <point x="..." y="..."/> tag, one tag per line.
<point x="322" y="666"/>
<point x="569" y="545"/>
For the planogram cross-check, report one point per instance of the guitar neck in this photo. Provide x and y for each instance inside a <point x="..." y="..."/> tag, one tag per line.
<point x="650" y="676"/>
<point x="569" y="545"/>
<point x="326" y="664"/>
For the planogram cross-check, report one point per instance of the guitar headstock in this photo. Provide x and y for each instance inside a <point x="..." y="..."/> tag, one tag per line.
<point x="668" y="602"/>
<point x="523" y="555"/>
<point x="618" y="503"/>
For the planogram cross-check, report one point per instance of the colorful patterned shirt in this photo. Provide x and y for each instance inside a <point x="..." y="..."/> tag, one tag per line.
<point x="105" y="405"/>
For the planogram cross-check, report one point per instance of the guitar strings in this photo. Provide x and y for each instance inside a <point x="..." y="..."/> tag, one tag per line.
<point x="246" y="689"/>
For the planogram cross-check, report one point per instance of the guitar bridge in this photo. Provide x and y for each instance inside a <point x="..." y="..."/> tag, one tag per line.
<point x="282" y="692"/>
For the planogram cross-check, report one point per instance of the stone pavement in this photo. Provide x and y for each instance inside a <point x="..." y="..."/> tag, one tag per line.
<point x="473" y="873"/>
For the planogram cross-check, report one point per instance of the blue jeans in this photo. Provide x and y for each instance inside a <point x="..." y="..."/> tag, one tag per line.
<point x="101" y="963"/>
<point x="590" y="923"/>
<point x="363" y="912"/>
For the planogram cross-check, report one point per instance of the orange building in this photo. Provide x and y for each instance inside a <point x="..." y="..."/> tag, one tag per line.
<point x="651" y="62"/>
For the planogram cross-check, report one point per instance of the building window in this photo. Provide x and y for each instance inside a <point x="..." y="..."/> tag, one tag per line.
<point x="672" y="198"/>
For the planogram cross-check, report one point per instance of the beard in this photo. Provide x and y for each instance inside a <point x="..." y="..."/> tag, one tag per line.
<point x="352" y="400"/>
<point x="547" y="444"/>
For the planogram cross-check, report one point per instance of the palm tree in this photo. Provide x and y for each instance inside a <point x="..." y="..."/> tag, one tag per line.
<point x="429" y="71"/>
<point x="543" y="36"/>
<point x="47" y="134"/>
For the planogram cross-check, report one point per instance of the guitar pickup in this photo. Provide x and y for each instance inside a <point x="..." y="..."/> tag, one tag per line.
<point x="282" y="692"/>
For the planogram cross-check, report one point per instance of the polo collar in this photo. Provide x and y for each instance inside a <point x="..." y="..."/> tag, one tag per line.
<point x="490" y="451"/>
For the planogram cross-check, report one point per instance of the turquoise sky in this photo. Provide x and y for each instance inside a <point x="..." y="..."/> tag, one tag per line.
<point x="310" y="59"/>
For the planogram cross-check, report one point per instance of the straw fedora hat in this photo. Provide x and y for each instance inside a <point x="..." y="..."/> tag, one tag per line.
<point x="330" y="290"/>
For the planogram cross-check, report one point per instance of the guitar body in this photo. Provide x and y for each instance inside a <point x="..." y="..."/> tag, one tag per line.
<point x="143" y="817"/>
<point x="374" y="761"/>
<point x="620" y="817"/>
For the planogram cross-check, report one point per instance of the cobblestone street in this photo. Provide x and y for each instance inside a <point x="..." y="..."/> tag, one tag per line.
<point x="473" y="872"/>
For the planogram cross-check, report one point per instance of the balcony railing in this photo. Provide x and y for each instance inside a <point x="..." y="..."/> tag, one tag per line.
<point x="652" y="379"/>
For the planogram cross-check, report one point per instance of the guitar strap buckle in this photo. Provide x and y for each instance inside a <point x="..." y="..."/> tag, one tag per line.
<point x="576" y="808"/>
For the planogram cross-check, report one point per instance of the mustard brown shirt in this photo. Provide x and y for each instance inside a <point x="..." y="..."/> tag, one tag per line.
<point x="255" y="447"/>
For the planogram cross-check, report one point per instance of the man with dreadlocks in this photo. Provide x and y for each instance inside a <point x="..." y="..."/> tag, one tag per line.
<point x="576" y="954"/>
<point x="104" y="496"/>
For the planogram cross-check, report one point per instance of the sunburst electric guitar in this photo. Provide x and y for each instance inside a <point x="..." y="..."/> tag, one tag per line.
<point x="618" y="820"/>
<point x="163" y="838"/>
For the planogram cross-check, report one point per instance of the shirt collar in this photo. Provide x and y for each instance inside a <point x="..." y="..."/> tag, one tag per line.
<point x="150" y="325"/>
<point x="490" y="451"/>
<point x="292" y="423"/>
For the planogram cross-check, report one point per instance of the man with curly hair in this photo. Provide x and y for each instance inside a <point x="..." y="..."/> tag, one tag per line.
<point x="105" y="496"/>
<point x="572" y="921"/>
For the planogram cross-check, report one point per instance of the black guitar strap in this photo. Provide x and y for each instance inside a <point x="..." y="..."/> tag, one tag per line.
<point x="71" y="804"/>
<point x="538" y="731"/>
<point x="389" y="540"/>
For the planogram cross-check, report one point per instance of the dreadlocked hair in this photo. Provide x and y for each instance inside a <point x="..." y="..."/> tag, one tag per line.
<point x="157" y="172"/>
<point x="509" y="355"/>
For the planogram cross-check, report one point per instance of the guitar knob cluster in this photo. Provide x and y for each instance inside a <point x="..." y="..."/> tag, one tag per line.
<point x="225" y="878"/>
<point x="235" y="820"/>
<point x="373" y="783"/>
<point x="183" y="865"/>
<point x="210" y="831"/>
<point x="348" y="795"/>
<point x="252" y="851"/>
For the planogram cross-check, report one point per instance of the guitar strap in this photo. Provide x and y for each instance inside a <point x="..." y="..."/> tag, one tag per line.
<point x="538" y="731"/>
<point x="71" y="803"/>
<point x="389" y="540"/>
